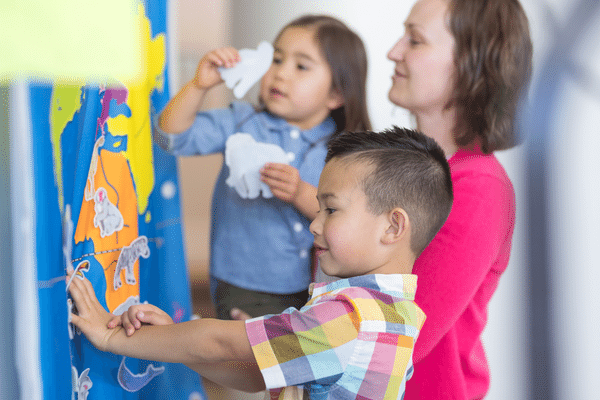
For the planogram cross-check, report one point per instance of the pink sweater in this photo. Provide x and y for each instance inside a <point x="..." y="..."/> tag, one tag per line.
<point x="458" y="273"/>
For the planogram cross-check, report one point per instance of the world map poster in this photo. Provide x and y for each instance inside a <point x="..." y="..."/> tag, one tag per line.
<point x="108" y="207"/>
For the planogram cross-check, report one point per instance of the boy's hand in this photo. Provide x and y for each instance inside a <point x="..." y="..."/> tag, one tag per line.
<point x="207" y="72"/>
<point x="91" y="317"/>
<point x="283" y="180"/>
<point x="135" y="316"/>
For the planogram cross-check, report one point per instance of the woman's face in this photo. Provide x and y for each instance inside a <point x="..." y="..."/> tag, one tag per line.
<point x="424" y="57"/>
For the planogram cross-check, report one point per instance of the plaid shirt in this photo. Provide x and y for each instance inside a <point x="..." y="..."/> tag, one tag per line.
<point x="353" y="340"/>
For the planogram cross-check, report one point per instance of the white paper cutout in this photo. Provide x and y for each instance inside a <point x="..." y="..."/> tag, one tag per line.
<point x="245" y="157"/>
<point x="253" y="65"/>
<point x="89" y="187"/>
<point x="127" y="258"/>
<point x="108" y="217"/>
<point x="81" y="384"/>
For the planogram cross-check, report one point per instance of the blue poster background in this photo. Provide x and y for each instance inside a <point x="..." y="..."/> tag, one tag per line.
<point x="73" y="368"/>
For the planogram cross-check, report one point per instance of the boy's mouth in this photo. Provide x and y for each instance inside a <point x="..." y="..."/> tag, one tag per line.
<point x="319" y="250"/>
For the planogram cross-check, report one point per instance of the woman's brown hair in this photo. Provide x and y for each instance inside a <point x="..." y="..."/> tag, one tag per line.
<point x="347" y="58"/>
<point x="493" y="57"/>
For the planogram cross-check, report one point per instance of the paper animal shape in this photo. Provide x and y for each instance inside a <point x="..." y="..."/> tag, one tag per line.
<point x="253" y="65"/>
<point x="127" y="258"/>
<point x="245" y="157"/>
<point x="108" y="217"/>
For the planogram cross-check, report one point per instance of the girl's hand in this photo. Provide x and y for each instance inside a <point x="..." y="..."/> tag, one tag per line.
<point x="91" y="317"/>
<point x="283" y="180"/>
<point x="207" y="72"/>
<point x="140" y="314"/>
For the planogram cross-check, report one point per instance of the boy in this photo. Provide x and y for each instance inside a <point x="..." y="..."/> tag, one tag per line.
<point x="382" y="197"/>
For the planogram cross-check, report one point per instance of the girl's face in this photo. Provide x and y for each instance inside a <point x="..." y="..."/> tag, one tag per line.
<point x="298" y="85"/>
<point x="423" y="75"/>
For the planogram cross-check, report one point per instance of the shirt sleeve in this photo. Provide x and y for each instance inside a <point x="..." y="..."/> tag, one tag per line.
<point x="454" y="266"/>
<point x="299" y="346"/>
<point x="208" y="133"/>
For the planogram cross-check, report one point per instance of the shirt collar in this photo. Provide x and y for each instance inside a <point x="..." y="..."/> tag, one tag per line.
<point x="312" y="135"/>
<point x="397" y="285"/>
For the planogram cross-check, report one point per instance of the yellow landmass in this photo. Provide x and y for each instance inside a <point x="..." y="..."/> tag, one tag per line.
<point x="138" y="126"/>
<point x="64" y="103"/>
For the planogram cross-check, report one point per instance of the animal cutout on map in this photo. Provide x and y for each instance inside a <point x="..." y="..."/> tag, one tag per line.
<point x="135" y="382"/>
<point x="81" y="384"/>
<point x="89" y="187"/>
<point x="253" y="65"/>
<point x="108" y="217"/>
<point x="129" y="255"/>
<point x="245" y="157"/>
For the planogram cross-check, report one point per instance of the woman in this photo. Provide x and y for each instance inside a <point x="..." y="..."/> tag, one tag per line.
<point x="461" y="68"/>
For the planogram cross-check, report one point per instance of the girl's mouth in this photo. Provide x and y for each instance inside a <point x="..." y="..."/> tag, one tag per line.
<point x="276" y="92"/>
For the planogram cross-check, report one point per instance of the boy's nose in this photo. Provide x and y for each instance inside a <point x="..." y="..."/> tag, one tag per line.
<point x="314" y="226"/>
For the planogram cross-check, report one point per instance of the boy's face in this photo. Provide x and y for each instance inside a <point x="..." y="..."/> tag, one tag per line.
<point x="347" y="234"/>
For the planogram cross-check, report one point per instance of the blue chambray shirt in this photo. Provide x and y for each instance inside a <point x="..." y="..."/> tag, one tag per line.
<point x="257" y="244"/>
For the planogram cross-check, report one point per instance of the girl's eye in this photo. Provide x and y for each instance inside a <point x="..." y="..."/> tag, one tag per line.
<point x="302" y="67"/>
<point x="276" y="60"/>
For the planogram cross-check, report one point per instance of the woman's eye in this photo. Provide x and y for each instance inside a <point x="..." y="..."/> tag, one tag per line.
<point x="302" y="67"/>
<point x="330" y="210"/>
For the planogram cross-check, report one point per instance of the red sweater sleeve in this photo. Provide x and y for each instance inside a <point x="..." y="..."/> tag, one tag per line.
<point x="454" y="270"/>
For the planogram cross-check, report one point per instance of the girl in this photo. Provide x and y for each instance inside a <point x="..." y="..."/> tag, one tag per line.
<point x="461" y="68"/>
<point x="315" y="87"/>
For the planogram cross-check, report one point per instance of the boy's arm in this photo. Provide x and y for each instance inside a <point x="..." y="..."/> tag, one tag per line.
<point x="217" y="349"/>
<point x="180" y="112"/>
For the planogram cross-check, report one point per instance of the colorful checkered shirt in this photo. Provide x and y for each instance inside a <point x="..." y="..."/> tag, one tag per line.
<point x="353" y="340"/>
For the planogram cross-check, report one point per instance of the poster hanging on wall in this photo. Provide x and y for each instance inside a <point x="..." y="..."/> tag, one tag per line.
<point x="107" y="205"/>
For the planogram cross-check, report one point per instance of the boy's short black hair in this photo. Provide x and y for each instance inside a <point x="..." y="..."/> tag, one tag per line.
<point x="410" y="171"/>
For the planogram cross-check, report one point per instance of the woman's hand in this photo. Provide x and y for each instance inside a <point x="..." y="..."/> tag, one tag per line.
<point x="138" y="315"/>
<point x="207" y="73"/>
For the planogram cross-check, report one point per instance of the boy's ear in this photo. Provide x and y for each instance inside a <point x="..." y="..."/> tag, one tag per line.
<point x="336" y="100"/>
<point x="398" y="228"/>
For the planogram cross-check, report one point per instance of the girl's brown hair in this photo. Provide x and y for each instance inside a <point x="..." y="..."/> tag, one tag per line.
<point x="493" y="56"/>
<point x="347" y="58"/>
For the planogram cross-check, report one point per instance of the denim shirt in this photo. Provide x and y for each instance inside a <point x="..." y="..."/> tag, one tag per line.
<point x="257" y="244"/>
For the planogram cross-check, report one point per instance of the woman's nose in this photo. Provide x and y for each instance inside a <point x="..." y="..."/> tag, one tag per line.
<point x="397" y="51"/>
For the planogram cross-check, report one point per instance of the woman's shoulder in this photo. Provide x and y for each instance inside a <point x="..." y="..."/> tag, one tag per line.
<point x="473" y="163"/>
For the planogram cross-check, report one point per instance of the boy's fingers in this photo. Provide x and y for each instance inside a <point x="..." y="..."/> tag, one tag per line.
<point x="126" y="323"/>
<point x="132" y="314"/>
<point x="114" y="322"/>
<point x="149" y="317"/>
